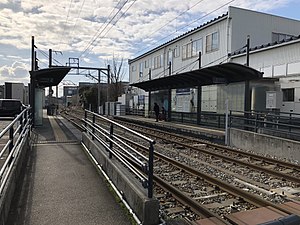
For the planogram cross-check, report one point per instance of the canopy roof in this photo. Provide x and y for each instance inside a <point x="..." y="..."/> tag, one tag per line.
<point x="221" y="73"/>
<point x="50" y="76"/>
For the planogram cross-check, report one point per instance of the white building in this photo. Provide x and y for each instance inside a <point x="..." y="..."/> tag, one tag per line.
<point x="279" y="60"/>
<point x="220" y="40"/>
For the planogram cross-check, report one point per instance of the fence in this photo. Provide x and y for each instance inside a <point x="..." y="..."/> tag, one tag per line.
<point x="286" y="125"/>
<point x="12" y="137"/>
<point x="110" y="135"/>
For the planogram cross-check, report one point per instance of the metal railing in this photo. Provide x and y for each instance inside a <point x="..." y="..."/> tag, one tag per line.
<point x="11" y="138"/>
<point x="136" y="112"/>
<point x="108" y="133"/>
<point x="286" y="125"/>
<point x="203" y="118"/>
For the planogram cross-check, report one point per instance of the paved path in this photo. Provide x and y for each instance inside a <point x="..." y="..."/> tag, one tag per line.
<point x="61" y="186"/>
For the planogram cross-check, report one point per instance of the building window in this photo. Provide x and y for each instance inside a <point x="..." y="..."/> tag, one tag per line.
<point x="141" y="69"/>
<point x="133" y="68"/>
<point x="176" y="52"/>
<point x="212" y="42"/>
<point x="147" y="63"/>
<point x="288" y="94"/>
<point x="170" y="56"/>
<point x="196" y="47"/>
<point x="157" y="61"/>
<point x="279" y="37"/>
<point x="191" y="49"/>
<point x="184" y="52"/>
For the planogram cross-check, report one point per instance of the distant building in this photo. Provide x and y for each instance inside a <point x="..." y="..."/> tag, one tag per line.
<point x="275" y="50"/>
<point x="68" y="92"/>
<point x="1" y="91"/>
<point x="15" y="91"/>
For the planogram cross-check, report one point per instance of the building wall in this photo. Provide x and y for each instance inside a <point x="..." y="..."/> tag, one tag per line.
<point x="259" y="26"/>
<point x="179" y="65"/>
<point x="280" y="61"/>
<point x="1" y="91"/>
<point x="14" y="91"/>
<point x="275" y="61"/>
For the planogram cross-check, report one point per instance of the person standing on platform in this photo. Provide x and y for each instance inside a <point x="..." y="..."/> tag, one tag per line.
<point x="156" y="111"/>
<point x="163" y="114"/>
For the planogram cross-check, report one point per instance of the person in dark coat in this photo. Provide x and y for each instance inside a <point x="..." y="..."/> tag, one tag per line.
<point x="163" y="114"/>
<point x="156" y="111"/>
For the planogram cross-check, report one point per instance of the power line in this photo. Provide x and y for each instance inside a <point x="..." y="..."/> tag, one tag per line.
<point x="98" y="30"/>
<point x="97" y="35"/>
<point x="175" y="18"/>
<point x="207" y="14"/>
<point x="113" y="24"/>
<point x="184" y="67"/>
<point x="43" y="53"/>
<point x="83" y="2"/>
<point x="60" y="42"/>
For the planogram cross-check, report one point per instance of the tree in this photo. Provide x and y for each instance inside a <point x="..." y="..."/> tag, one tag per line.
<point x="89" y="96"/>
<point x="117" y="74"/>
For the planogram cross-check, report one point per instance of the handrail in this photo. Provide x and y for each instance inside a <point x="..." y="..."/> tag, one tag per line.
<point x="277" y="123"/>
<point x="107" y="136"/>
<point x="16" y="130"/>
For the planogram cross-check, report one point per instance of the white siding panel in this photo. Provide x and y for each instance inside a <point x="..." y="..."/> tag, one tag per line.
<point x="293" y="68"/>
<point x="279" y="70"/>
<point x="267" y="71"/>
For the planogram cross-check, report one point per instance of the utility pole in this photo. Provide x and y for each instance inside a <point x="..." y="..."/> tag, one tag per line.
<point x="50" y="88"/>
<point x="32" y="80"/>
<point x="247" y="99"/>
<point x="199" y="93"/>
<point x="99" y="93"/>
<point x="108" y="81"/>
<point x="200" y="59"/>
<point x="248" y="50"/>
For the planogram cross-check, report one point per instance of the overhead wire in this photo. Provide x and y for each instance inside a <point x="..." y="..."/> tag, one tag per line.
<point x="97" y="35"/>
<point x="207" y="14"/>
<point x="46" y="55"/>
<point x="85" y="48"/>
<point x="184" y="67"/>
<point x="60" y="42"/>
<point x="114" y="23"/>
<point x="83" y="2"/>
<point x="175" y="18"/>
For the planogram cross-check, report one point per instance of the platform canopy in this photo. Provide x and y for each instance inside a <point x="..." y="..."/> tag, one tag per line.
<point x="217" y="74"/>
<point x="50" y="76"/>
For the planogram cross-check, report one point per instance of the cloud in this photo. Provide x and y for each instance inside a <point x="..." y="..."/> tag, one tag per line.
<point x="78" y="26"/>
<point x="17" y="72"/>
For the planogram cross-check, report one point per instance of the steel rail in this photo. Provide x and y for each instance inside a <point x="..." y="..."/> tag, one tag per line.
<point x="230" y="159"/>
<point x="253" y="156"/>
<point x="253" y="199"/>
<point x="201" y="210"/>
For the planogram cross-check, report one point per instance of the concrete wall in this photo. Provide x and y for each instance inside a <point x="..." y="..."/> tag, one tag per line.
<point x="265" y="144"/>
<point x="147" y="210"/>
<point x="10" y="186"/>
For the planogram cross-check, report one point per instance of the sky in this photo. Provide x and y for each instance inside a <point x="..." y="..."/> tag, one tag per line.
<point x="95" y="31"/>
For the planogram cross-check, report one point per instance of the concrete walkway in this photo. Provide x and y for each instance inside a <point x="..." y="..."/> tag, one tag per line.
<point x="61" y="186"/>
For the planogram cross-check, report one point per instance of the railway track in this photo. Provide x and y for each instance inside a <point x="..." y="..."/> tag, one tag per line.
<point x="217" y="191"/>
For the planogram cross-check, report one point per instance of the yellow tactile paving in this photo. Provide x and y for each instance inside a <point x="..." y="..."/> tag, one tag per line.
<point x="58" y="133"/>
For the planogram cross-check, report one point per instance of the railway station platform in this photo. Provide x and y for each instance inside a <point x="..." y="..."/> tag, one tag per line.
<point x="60" y="185"/>
<point x="211" y="134"/>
